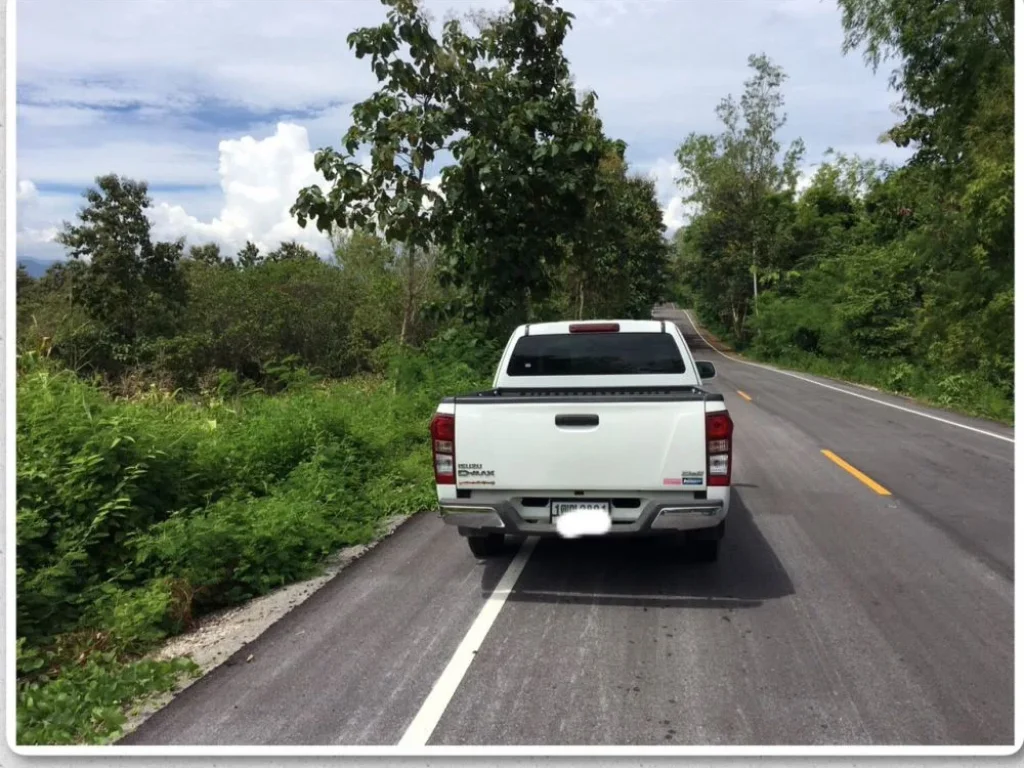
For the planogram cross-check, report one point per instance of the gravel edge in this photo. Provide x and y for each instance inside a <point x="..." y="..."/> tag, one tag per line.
<point x="219" y="635"/>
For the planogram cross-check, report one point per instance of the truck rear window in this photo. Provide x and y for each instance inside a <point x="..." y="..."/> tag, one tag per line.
<point x="595" y="354"/>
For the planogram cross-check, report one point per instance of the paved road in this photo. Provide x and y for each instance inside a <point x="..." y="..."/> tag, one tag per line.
<point x="835" y="615"/>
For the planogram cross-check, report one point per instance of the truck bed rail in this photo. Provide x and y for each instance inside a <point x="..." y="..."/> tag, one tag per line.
<point x="588" y="395"/>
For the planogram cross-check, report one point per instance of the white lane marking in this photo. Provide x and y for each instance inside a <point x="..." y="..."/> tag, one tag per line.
<point x="848" y="392"/>
<point x="429" y="715"/>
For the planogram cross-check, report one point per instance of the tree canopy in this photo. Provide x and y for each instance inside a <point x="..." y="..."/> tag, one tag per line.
<point x="911" y="267"/>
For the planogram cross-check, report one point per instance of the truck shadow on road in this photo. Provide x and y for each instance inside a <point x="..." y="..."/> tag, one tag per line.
<point x="650" y="572"/>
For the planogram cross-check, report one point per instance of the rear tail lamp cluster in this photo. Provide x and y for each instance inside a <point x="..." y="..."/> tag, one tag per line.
<point x="718" y="432"/>
<point x="442" y="439"/>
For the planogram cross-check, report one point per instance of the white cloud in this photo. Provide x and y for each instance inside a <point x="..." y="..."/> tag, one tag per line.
<point x="805" y="177"/>
<point x="37" y="222"/>
<point x="27" y="191"/>
<point x="260" y="180"/>
<point x="675" y="212"/>
<point x="38" y="237"/>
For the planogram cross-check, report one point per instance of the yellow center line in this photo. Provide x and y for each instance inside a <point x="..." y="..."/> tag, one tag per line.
<point x="858" y="474"/>
<point x="744" y="395"/>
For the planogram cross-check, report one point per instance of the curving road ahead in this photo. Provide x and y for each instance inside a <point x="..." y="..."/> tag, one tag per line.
<point x="863" y="596"/>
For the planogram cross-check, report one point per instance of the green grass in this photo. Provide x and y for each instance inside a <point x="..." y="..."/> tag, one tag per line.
<point x="953" y="392"/>
<point x="958" y="392"/>
<point x="86" y="702"/>
<point x="136" y="517"/>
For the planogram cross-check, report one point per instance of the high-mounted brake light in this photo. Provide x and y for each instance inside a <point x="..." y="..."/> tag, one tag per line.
<point x="442" y="441"/>
<point x="594" y="328"/>
<point x="718" y="433"/>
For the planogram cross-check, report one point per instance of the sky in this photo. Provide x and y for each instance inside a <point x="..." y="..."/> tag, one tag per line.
<point x="220" y="105"/>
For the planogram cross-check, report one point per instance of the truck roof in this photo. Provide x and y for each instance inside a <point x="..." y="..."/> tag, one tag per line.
<point x="625" y="326"/>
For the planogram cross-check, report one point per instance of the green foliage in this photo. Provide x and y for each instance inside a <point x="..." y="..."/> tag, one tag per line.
<point x="130" y="285"/>
<point x="903" y="278"/>
<point x="233" y="498"/>
<point x="292" y="251"/>
<point x="137" y="516"/>
<point x="208" y="254"/>
<point x="371" y="268"/>
<point x="250" y="320"/>
<point x="617" y="265"/>
<point x="953" y="58"/>
<point x="527" y="165"/>
<point x="85" y="704"/>
<point x="742" y="189"/>
<point x="526" y="152"/>
<point x="249" y="256"/>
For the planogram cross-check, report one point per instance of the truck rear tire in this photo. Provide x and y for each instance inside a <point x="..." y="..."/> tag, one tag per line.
<point x="487" y="544"/>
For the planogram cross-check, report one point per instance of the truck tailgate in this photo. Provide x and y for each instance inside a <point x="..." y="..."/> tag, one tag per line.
<point x="614" y="446"/>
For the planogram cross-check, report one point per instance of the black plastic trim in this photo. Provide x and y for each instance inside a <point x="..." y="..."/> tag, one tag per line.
<point x="602" y="395"/>
<point x="577" y="420"/>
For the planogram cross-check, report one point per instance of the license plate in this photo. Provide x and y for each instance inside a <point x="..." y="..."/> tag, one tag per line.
<point x="559" y="508"/>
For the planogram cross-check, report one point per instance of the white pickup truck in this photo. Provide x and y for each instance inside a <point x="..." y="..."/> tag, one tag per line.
<point x="609" y="417"/>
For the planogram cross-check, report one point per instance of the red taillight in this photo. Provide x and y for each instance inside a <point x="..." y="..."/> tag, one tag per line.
<point x="442" y="441"/>
<point x="718" y="433"/>
<point x="594" y="328"/>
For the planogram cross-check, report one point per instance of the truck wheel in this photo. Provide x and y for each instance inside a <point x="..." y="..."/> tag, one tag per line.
<point x="705" y="550"/>
<point x="487" y="544"/>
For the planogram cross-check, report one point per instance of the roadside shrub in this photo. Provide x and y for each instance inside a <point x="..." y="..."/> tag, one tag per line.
<point x="86" y="703"/>
<point x="138" y="513"/>
<point x="785" y="325"/>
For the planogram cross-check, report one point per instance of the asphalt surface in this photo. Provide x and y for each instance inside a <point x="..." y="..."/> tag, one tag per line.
<point x="835" y="615"/>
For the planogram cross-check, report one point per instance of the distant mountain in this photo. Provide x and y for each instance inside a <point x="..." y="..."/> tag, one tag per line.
<point x="36" y="267"/>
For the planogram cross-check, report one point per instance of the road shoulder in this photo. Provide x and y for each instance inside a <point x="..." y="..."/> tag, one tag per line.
<point x="220" y="635"/>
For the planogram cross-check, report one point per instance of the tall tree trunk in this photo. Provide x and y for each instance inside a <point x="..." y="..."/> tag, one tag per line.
<point x="739" y="315"/>
<point x="754" y="273"/>
<point x="410" y="292"/>
<point x="410" y="271"/>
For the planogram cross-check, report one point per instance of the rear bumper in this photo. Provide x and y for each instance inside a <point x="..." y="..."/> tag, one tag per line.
<point x="656" y="517"/>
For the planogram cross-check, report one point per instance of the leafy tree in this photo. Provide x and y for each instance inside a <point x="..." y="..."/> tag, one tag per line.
<point x="525" y="150"/>
<point x="246" y="321"/>
<point x="953" y="57"/>
<point x="292" y="251"/>
<point x="249" y="256"/>
<point x="208" y="254"/>
<point x="739" y="182"/>
<point x="405" y="123"/>
<point x="24" y="282"/>
<point x="527" y="164"/>
<point x="645" y="250"/>
<point x="371" y="268"/>
<point x="617" y="265"/>
<point x="130" y="285"/>
<point x="955" y="76"/>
